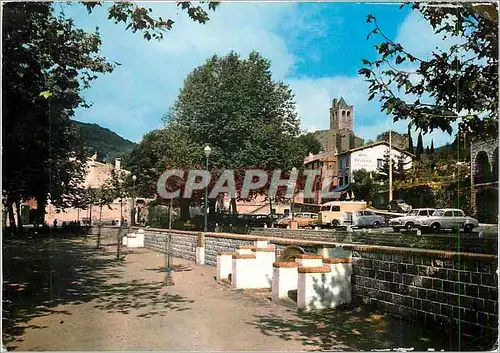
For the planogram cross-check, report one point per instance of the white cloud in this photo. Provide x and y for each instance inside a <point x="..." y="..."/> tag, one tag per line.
<point x="132" y="99"/>
<point x="314" y="96"/>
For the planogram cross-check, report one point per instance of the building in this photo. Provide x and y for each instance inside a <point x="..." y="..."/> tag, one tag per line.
<point x="370" y="158"/>
<point x="340" y="136"/>
<point x="326" y="163"/>
<point x="484" y="181"/>
<point x="97" y="174"/>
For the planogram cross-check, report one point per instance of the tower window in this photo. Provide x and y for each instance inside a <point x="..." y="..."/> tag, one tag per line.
<point x="348" y="113"/>
<point x="343" y="113"/>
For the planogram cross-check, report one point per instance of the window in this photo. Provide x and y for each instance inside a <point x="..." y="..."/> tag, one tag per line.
<point x="368" y="213"/>
<point x="335" y="208"/>
<point x="423" y="213"/>
<point x="341" y="181"/>
<point x="340" y="164"/>
<point x="325" y="208"/>
<point x="343" y="113"/>
<point x="458" y="213"/>
<point x="448" y="214"/>
<point x="348" y="113"/>
<point x="346" y="179"/>
<point x="380" y="163"/>
<point x="359" y="213"/>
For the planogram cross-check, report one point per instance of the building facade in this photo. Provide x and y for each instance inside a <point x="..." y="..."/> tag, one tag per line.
<point x="370" y="158"/>
<point x="326" y="163"/>
<point x="340" y="137"/>
<point x="484" y="180"/>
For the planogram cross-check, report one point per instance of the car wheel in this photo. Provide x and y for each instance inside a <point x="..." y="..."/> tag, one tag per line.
<point x="409" y="226"/>
<point x="376" y="224"/>
<point x="435" y="227"/>
<point x="468" y="228"/>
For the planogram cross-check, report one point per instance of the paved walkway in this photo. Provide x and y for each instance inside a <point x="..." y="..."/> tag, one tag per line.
<point x="71" y="297"/>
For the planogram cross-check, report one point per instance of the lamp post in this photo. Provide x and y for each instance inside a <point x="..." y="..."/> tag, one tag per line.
<point x="132" y="214"/>
<point x="207" y="151"/>
<point x="294" y="171"/>
<point x="119" y="238"/>
<point x="168" y="268"/>
<point x="390" y="165"/>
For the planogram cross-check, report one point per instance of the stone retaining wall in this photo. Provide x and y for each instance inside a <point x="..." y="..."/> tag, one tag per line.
<point x="486" y="244"/>
<point x="434" y="287"/>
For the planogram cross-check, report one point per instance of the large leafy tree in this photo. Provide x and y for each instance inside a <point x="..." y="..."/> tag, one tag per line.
<point x="248" y="119"/>
<point x="458" y="84"/>
<point x="46" y="61"/>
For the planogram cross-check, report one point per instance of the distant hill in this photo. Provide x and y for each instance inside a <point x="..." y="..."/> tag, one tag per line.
<point x="105" y="142"/>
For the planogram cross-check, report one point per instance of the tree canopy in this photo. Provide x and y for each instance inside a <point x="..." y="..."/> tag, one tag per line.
<point x="458" y="84"/>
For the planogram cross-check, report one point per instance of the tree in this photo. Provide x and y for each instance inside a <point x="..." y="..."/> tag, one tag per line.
<point x="410" y="141"/>
<point x="138" y="18"/>
<point x="248" y="119"/>
<point x="456" y="84"/>
<point x="364" y="186"/>
<point x="103" y="196"/>
<point x="420" y="146"/>
<point x="432" y="147"/>
<point x="46" y="62"/>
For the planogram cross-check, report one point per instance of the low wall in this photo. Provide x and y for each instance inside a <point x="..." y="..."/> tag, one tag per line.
<point x="439" y="288"/>
<point x="436" y="288"/>
<point x="486" y="244"/>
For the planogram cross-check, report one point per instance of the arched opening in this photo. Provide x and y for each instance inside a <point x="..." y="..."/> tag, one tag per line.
<point x="348" y="113"/>
<point x="483" y="170"/>
<point x="494" y="165"/>
<point x="487" y="205"/>
<point x="289" y="254"/>
<point x="343" y="113"/>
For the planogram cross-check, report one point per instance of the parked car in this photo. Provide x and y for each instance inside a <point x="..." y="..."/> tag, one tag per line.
<point x="303" y="219"/>
<point x="363" y="219"/>
<point x="447" y="218"/>
<point x="408" y="222"/>
<point x="330" y="214"/>
<point x="398" y="206"/>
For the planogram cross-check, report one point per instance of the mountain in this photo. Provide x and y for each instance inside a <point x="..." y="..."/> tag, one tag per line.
<point x="105" y="142"/>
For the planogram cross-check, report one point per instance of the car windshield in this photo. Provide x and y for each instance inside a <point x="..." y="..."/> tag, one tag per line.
<point x="413" y="213"/>
<point x="325" y="208"/>
<point x="400" y="201"/>
<point x="438" y="213"/>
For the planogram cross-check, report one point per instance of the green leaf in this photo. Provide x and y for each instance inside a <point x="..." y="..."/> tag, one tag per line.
<point x="46" y="94"/>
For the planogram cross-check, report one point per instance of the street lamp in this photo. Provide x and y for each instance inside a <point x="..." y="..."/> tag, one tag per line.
<point x="294" y="171"/>
<point x="133" y="215"/>
<point x="207" y="151"/>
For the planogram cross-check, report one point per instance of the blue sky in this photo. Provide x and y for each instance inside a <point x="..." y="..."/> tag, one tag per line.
<point x="314" y="47"/>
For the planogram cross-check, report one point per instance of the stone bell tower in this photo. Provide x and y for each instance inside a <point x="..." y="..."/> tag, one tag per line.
<point x="341" y="116"/>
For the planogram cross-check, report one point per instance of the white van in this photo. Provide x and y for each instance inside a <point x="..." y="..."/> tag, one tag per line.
<point x="331" y="213"/>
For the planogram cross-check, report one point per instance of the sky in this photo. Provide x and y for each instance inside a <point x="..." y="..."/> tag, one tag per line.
<point x="316" y="48"/>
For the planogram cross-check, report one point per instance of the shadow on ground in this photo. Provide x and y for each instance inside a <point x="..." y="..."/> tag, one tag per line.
<point x="348" y="329"/>
<point x="42" y="274"/>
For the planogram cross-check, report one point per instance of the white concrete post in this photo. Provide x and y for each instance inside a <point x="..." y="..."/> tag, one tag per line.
<point x="200" y="250"/>
<point x="242" y="275"/>
<point x="224" y="265"/>
<point x="308" y="296"/>
<point x="285" y="279"/>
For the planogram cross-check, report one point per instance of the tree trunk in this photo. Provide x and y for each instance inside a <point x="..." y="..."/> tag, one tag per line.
<point x="40" y="203"/>
<point x="12" y="218"/>
<point x="233" y="206"/>
<point x="19" y="216"/>
<point x="184" y="216"/>
<point x="99" y="228"/>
